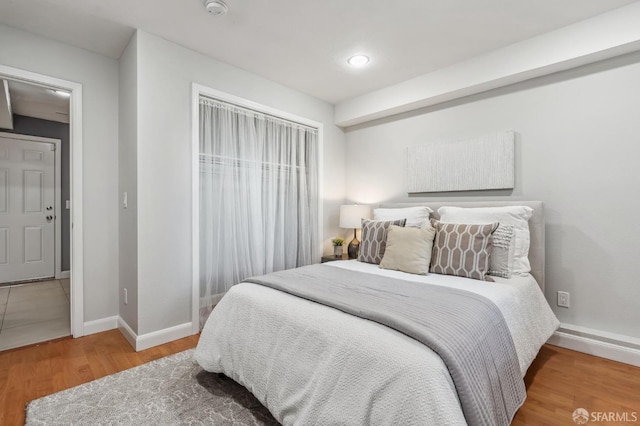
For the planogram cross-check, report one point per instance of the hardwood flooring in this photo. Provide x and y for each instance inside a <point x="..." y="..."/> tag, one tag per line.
<point x="558" y="382"/>
<point x="35" y="371"/>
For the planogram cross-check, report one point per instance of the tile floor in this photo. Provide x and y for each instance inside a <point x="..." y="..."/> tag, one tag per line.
<point x="34" y="312"/>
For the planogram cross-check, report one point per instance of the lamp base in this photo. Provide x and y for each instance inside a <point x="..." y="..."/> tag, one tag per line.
<point x="354" y="247"/>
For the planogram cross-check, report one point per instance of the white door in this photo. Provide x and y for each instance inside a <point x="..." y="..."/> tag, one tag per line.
<point x="27" y="210"/>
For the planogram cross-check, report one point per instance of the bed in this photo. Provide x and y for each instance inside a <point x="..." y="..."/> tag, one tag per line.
<point x="309" y="363"/>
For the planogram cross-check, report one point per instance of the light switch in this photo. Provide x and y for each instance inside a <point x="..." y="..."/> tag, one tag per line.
<point x="67" y="204"/>
<point x="125" y="200"/>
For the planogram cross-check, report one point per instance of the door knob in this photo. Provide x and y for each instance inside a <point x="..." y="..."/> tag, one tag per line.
<point x="49" y="218"/>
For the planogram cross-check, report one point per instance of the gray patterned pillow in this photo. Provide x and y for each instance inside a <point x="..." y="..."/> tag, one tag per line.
<point x="374" y="239"/>
<point x="462" y="249"/>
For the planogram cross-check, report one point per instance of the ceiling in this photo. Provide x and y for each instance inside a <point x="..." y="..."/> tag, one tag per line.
<point x="304" y="44"/>
<point x="40" y="102"/>
<point x="31" y="100"/>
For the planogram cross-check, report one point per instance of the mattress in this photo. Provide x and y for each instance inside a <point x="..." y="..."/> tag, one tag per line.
<point x="312" y="364"/>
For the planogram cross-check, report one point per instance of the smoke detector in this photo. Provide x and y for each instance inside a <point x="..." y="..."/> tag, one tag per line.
<point x="216" y="7"/>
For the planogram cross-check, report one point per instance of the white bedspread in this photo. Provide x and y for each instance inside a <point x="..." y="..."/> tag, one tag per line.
<point x="311" y="364"/>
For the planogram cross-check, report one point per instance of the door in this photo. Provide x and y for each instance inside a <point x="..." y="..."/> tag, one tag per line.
<point x="27" y="210"/>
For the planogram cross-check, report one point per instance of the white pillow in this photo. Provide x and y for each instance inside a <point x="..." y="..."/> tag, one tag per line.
<point x="517" y="216"/>
<point x="417" y="217"/>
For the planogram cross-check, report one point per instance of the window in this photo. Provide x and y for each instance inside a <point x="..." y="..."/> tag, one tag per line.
<point x="258" y="196"/>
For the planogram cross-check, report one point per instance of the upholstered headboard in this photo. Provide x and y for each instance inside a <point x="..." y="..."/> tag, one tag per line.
<point x="536" y="226"/>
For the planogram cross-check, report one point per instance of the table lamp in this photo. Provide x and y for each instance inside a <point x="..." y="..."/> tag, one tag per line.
<point x="351" y="217"/>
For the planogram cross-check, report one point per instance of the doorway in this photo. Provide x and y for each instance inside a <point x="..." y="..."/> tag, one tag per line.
<point x="70" y="284"/>
<point x="34" y="302"/>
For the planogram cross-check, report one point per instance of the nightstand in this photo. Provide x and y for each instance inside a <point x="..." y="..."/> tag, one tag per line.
<point x="331" y="258"/>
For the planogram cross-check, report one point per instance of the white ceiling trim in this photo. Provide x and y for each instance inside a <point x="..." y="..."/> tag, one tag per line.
<point x="602" y="37"/>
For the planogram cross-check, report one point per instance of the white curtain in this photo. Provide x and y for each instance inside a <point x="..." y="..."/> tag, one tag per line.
<point x="258" y="197"/>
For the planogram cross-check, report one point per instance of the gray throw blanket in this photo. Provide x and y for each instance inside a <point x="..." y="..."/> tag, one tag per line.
<point x="467" y="330"/>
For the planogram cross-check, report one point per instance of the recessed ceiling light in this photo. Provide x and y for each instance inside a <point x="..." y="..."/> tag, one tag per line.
<point x="358" y="60"/>
<point x="216" y="7"/>
<point x="62" y="93"/>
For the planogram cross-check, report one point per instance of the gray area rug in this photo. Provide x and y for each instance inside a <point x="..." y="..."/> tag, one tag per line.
<point x="173" y="390"/>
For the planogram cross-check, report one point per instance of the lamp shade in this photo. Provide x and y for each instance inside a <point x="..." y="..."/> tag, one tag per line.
<point x="351" y="215"/>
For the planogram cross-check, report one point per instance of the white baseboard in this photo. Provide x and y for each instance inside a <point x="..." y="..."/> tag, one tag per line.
<point x="100" y="325"/>
<point x="127" y="332"/>
<point x="64" y="275"/>
<point x="155" y="338"/>
<point x="159" y="337"/>
<point x="611" y="346"/>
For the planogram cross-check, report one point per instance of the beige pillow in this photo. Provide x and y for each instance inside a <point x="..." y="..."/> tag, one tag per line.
<point x="408" y="249"/>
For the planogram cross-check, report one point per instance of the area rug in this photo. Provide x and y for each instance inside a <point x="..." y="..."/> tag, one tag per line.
<point x="173" y="390"/>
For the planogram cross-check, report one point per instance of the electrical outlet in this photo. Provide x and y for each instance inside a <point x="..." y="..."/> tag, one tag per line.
<point x="126" y="298"/>
<point x="563" y="299"/>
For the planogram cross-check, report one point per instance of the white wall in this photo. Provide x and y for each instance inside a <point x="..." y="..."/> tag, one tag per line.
<point x="165" y="74"/>
<point x="577" y="151"/>
<point x="99" y="78"/>
<point x="127" y="170"/>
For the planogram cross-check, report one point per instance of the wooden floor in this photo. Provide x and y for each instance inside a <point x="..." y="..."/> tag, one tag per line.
<point x="558" y="382"/>
<point x="35" y="371"/>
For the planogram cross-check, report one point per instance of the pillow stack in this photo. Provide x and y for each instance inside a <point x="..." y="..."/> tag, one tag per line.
<point x="468" y="242"/>
<point x="516" y="217"/>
